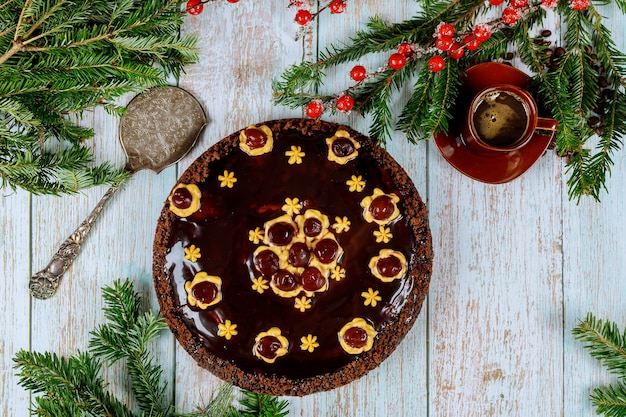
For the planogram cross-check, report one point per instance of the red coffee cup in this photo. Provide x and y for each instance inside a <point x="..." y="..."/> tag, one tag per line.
<point x="503" y="118"/>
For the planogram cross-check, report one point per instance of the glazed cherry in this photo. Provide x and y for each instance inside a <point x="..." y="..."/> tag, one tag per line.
<point x="205" y="292"/>
<point x="280" y="233"/>
<point x="299" y="255"/>
<point x="255" y="138"/>
<point x="181" y="198"/>
<point x="382" y="207"/>
<point x="326" y="250"/>
<point x="389" y="266"/>
<point x="285" y="280"/>
<point x="342" y="147"/>
<point x="312" y="279"/>
<point x="267" y="262"/>
<point x="355" y="337"/>
<point x="268" y="346"/>
<point x="312" y="227"/>
<point x="358" y="73"/>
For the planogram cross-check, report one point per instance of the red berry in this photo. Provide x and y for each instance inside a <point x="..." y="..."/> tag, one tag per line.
<point x="436" y="63"/>
<point x="303" y="17"/>
<point x="405" y="49"/>
<point x="510" y="15"/>
<point x="471" y="43"/>
<point x="344" y="103"/>
<point x="397" y="61"/>
<point x="233" y="1"/>
<point x="456" y="51"/>
<point x="194" y="7"/>
<point x="443" y="43"/>
<point x="314" y="109"/>
<point x="579" y="5"/>
<point x="444" y="29"/>
<point x="518" y="4"/>
<point x="337" y="6"/>
<point x="482" y="33"/>
<point x="496" y="2"/>
<point x="549" y="4"/>
<point x="358" y="73"/>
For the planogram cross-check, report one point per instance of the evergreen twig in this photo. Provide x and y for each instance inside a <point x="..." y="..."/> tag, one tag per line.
<point x="74" y="386"/>
<point x="60" y="58"/>
<point x="569" y="91"/>
<point x="605" y="342"/>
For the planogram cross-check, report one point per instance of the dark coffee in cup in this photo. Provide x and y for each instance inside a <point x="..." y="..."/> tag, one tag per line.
<point x="500" y="118"/>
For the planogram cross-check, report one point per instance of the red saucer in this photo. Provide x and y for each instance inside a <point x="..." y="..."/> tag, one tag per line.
<point x="490" y="167"/>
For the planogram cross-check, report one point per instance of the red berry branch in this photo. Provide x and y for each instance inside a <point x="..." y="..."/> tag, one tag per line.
<point x="195" y="7"/>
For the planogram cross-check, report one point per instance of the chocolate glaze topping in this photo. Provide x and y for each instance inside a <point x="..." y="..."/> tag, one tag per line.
<point x="220" y="229"/>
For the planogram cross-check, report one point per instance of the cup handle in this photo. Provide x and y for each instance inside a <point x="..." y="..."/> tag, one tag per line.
<point x="547" y="124"/>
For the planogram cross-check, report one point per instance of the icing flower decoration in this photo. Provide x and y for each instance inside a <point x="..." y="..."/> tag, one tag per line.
<point x="227" y="179"/>
<point x="185" y="199"/>
<point x="342" y="148"/>
<point x="357" y="336"/>
<point x="309" y="343"/>
<point x="260" y="284"/>
<point x="295" y="155"/>
<point x="388" y="266"/>
<point x="192" y="253"/>
<point x="383" y="235"/>
<point x="371" y="297"/>
<point x="380" y="208"/>
<point x="256" y="236"/>
<point x="256" y="141"/>
<point x="337" y="273"/>
<point x="355" y="183"/>
<point x="270" y="345"/>
<point x="227" y="330"/>
<point x="302" y="304"/>
<point x="204" y="290"/>
<point x="341" y="224"/>
<point x="292" y="206"/>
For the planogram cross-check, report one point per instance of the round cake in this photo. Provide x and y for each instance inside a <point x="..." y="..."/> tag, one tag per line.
<point x="292" y="257"/>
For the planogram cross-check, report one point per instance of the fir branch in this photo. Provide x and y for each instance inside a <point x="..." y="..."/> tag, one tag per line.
<point x="72" y="387"/>
<point x="605" y="342"/>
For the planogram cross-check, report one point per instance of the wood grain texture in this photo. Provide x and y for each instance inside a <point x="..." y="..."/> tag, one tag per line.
<point x="516" y="265"/>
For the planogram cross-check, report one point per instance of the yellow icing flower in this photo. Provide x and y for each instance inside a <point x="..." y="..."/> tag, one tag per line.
<point x="302" y="304"/>
<point x="227" y="180"/>
<point x="256" y="236"/>
<point x="371" y="297"/>
<point x="383" y="234"/>
<point x="356" y="183"/>
<point x="389" y="204"/>
<point x="337" y="273"/>
<point x="227" y="329"/>
<point x="388" y="265"/>
<point x="260" y="284"/>
<point x="292" y="206"/>
<point x="192" y="253"/>
<point x="258" y="132"/>
<point x="341" y="224"/>
<point x="295" y="155"/>
<point x="346" y="154"/>
<point x="309" y="342"/>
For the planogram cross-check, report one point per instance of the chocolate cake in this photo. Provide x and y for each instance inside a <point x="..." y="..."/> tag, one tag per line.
<point x="292" y="257"/>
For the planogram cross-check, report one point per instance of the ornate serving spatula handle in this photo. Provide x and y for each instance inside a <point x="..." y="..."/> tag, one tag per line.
<point x="44" y="284"/>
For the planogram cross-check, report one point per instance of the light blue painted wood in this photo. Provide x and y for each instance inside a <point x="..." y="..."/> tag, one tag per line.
<point x="516" y="265"/>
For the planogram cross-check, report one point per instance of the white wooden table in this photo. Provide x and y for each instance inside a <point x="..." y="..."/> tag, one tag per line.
<point x="516" y="265"/>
